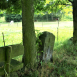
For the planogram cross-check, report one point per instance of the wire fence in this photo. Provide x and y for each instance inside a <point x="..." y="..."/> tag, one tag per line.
<point x="13" y="32"/>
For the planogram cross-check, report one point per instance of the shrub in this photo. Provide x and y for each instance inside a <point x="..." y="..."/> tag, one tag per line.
<point x="1" y="15"/>
<point x="14" y="17"/>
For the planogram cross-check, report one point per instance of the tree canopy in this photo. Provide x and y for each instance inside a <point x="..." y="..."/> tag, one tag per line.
<point x="39" y="5"/>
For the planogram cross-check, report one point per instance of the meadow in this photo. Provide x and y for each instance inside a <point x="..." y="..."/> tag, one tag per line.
<point x="13" y="32"/>
<point x="64" y="55"/>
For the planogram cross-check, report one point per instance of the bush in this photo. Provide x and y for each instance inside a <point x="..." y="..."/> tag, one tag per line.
<point x="67" y="18"/>
<point x="1" y="15"/>
<point x="46" y="17"/>
<point x="14" y="17"/>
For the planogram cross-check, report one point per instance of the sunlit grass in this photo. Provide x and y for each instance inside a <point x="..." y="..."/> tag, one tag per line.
<point x="2" y="19"/>
<point x="13" y="33"/>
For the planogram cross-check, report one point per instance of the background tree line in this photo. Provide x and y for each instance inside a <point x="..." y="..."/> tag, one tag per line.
<point x="39" y="17"/>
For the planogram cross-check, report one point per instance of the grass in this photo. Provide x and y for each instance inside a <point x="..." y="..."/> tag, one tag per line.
<point x="65" y="60"/>
<point x="12" y="34"/>
<point x="64" y="55"/>
<point x="2" y="19"/>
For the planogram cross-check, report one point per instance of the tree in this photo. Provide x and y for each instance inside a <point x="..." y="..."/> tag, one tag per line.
<point x="28" y="32"/>
<point x="74" y="21"/>
<point x="67" y="3"/>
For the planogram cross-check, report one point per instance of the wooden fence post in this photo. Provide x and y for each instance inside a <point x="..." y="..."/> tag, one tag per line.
<point x="58" y="30"/>
<point x="8" y="51"/>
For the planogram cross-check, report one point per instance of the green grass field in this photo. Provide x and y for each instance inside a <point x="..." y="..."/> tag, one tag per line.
<point x="13" y="33"/>
<point x="64" y="55"/>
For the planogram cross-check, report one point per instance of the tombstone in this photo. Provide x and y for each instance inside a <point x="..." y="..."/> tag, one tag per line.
<point x="46" y="46"/>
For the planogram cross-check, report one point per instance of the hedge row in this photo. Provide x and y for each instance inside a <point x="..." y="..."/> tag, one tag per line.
<point x="18" y="17"/>
<point x="1" y="15"/>
<point x="46" y="17"/>
<point x="14" y="17"/>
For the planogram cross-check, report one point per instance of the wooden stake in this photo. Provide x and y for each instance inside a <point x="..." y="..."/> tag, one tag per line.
<point x="7" y="60"/>
<point x="57" y="33"/>
<point x="3" y="39"/>
<point x="58" y="30"/>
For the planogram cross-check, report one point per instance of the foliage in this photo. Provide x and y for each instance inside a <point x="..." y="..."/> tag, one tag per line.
<point x="14" y="17"/>
<point x="38" y="41"/>
<point x="39" y="5"/>
<point x="67" y="14"/>
<point x="46" y="17"/>
<point x="68" y="17"/>
<point x="55" y="7"/>
<point x="11" y="6"/>
<point x="2" y="19"/>
<point x="2" y="13"/>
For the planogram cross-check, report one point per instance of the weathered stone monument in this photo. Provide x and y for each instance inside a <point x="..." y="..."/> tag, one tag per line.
<point x="46" y="46"/>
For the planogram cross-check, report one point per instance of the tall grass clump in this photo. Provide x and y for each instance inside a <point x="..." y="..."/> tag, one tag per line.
<point x="65" y="60"/>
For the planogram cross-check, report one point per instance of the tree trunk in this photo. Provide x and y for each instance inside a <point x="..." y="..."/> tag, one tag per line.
<point x="74" y="21"/>
<point x="28" y="32"/>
